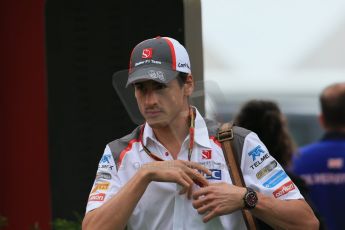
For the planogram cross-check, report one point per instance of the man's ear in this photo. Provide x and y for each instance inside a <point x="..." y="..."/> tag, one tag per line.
<point x="189" y="85"/>
<point x="322" y="121"/>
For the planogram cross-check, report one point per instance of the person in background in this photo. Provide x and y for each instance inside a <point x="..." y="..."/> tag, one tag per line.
<point x="265" y="119"/>
<point x="321" y="164"/>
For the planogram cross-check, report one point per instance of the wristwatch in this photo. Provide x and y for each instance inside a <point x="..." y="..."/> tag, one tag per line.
<point x="250" y="199"/>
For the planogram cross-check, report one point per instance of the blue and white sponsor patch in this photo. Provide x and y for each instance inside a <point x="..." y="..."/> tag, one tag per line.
<point x="105" y="159"/>
<point x="216" y="174"/>
<point x="275" y="179"/>
<point x="256" y="152"/>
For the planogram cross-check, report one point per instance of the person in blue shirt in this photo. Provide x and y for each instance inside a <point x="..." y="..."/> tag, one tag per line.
<point x="322" y="164"/>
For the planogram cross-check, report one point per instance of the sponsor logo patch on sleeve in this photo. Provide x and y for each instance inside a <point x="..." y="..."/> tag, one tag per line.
<point x="105" y="159"/>
<point x="103" y="175"/>
<point x="256" y="152"/>
<point x="284" y="189"/>
<point x="100" y="186"/>
<point x="267" y="169"/>
<point x="275" y="179"/>
<point x="97" y="197"/>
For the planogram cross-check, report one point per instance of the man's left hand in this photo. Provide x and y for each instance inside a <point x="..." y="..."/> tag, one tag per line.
<point x="218" y="199"/>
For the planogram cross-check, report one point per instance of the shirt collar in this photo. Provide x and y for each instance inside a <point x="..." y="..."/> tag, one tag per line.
<point x="148" y="135"/>
<point x="201" y="136"/>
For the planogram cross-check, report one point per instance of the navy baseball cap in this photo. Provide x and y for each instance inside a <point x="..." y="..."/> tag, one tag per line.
<point x="159" y="59"/>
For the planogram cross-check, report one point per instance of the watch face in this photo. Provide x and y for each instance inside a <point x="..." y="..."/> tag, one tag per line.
<point x="250" y="199"/>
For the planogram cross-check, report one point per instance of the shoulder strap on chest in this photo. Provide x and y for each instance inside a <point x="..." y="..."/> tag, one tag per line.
<point x="226" y="136"/>
<point x="239" y="134"/>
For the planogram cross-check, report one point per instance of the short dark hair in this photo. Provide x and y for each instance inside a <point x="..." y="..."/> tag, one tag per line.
<point x="182" y="78"/>
<point x="266" y="120"/>
<point x="332" y="101"/>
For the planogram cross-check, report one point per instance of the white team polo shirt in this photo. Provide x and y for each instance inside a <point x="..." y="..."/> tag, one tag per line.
<point x="161" y="206"/>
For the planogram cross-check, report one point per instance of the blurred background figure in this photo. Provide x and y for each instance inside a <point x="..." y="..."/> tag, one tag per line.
<point x="265" y="119"/>
<point x="321" y="164"/>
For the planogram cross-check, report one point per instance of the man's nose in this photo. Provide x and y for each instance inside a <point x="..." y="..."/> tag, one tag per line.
<point x="150" y="98"/>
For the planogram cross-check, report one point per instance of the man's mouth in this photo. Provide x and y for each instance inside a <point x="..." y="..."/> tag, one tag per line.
<point x="152" y="113"/>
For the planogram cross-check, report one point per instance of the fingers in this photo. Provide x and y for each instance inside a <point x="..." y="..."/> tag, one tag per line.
<point x="199" y="202"/>
<point x="196" y="176"/>
<point x="204" y="208"/>
<point x="205" y="205"/>
<point x="197" y="166"/>
<point x="192" y="176"/>
<point x="190" y="191"/>
<point x="202" y="205"/>
<point x="184" y="173"/>
<point x="187" y="185"/>
<point x="183" y="190"/>
<point x="201" y="192"/>
<point x="209" y="216"/>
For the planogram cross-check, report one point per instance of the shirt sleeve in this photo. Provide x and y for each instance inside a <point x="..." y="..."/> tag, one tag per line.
<point x="106" y="183"/>
<point x="263" y="173"/>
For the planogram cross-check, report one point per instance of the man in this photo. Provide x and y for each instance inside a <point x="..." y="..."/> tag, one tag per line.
<point x="321" y="164"/>
<point x="170" y="173"/>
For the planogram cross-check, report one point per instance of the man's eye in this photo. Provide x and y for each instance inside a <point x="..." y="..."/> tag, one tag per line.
<point x="160" y="86"/>
<point x="138" y="86"/>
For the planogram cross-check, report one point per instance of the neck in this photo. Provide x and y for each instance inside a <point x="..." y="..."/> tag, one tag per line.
<point x="340" y="129"/>
<point x="173" y="135"/>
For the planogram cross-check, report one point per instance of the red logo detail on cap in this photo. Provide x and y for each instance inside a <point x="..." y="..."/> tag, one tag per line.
<point x="206" y="154"/>
<point x="147" y="53"/>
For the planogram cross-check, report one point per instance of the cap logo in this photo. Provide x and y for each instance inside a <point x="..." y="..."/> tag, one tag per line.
<point x="156" y="75"/>
<point x="183" y="65"/>
<point x="147" y="53"/>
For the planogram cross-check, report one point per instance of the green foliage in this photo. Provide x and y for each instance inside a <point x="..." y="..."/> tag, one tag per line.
<point x="63" y="224"/>
<point x="58" y="224"/>
<point x="3" y="221"/>
<point x="35" y="226"/>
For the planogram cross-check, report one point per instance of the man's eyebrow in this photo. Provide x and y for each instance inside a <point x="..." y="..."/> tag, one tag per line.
<point x="159" y="83"/>
<point x="137" y="84"/>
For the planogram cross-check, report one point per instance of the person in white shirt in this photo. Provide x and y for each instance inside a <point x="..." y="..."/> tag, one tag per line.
<point x="170" y="172"/>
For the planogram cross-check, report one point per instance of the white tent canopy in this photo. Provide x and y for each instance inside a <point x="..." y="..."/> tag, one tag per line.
<point x="286" y="51"/>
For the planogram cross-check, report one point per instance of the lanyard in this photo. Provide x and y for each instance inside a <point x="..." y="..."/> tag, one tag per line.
<point x="192" y="114"/>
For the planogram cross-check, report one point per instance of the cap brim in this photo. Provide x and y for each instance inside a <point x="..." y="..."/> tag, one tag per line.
<point x="160" y="75"/>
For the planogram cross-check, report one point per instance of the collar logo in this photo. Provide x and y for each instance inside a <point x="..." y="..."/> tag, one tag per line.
<point x="147" y="53"/>
<point x="206" y="154"/>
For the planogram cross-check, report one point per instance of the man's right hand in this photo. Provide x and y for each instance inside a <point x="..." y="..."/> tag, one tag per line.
<point x="184" y="173"/>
